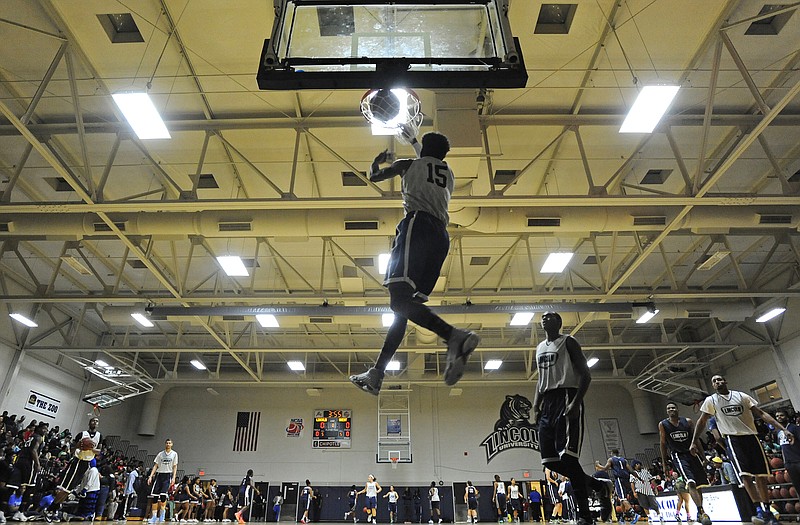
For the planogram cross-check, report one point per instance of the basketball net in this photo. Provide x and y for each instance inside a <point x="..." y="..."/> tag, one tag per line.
<point x="394" y="461"/>
<point x="410" y="115"/>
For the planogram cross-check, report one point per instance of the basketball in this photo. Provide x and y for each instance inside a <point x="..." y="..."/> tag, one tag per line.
<point x="797" y="507"/>
<point x="776" y="463"/>
<point x="776" y="493"/>
<point x="789" y="508"/>
<point x="792" y="492"/>
<point x="384" y="105"/>
<point x="779" y="477"/>
<point x="784" y="493"/>
<point x="786" y="477"/>
<point x="771" y="479"/>
<point x="86" y="444"/>
<point x="619" y="510"/>
<point x="366" y="510"/>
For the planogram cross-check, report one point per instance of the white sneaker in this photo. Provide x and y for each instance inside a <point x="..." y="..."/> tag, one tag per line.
<point x="430" y="521"/>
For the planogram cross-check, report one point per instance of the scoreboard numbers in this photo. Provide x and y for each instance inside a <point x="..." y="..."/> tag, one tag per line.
<point x="332" y="429"/>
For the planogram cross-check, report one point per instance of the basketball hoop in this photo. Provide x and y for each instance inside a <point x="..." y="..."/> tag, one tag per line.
<point x="394" y="462"/>
<point x="389" y="110"/>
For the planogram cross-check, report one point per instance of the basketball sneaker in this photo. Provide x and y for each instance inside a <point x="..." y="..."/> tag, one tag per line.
<point x="460" y="345"/>
<point x="370" y="381"/>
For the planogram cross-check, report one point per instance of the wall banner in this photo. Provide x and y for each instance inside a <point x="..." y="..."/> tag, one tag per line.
<point x="42" y="404"/>
<point x="295" y="427"/>
<point x="612" y="437"/>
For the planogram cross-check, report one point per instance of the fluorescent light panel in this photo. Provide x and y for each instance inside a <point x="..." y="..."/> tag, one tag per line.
<point x="556" y="262"/>
<point x="198" y="364"/>
<point x="24" y="320"/>
<point x="646" y="316"/>
<point x="142" y="320"/>
<point x="775" y="312"/>
<point x="142" y="115"/>
<point x="297" y="366"/>
<point x="387" y="320"/>
<point x="492" y="364"/>
<point x="521" y="318"/>
<point x="101" y="363"/>
<point x="267" y="321"/>
<point x="592" y="361"/>
<point x="650" y="106"/>
<point x="383" y="263"/>
<point x="393" y="366"/>
<point x="232" y="265"/>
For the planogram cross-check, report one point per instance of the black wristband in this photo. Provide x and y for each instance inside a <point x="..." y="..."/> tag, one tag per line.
<point x="414" y="140"/>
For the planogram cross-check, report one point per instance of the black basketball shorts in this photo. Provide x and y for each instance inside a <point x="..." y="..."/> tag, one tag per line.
<point x="557" y="434"/>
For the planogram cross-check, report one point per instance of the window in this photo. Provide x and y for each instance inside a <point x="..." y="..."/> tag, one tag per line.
<point x="770" y="25"/>
<point x="768" y="393"/>
<point x="120" y="28"/>
<point x="555" y="19"/>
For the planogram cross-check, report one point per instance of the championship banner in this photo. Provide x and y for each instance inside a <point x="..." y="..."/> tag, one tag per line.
<point x="42" y="404"/>
<point x="612" y="437"/>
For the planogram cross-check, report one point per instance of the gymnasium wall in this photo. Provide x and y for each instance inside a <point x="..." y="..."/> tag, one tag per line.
<point x="44" y="378"/>
<point x="447" y="432"/>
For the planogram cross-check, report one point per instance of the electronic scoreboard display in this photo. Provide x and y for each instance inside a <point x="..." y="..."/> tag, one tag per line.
<point x="331" y="429"/>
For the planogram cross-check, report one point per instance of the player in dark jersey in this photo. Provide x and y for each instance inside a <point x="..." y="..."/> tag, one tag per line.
<point x="306" y="496"/>
<point x="617" y="466"/>
<point x="27" y="466"/>
<point x="563" y="381"/>
<point x="352" y="495"/>
<point x="471" y="499"/>
<point x="675" y="435"/>
<point x="245" y="498"/>
<point x="420" y="248"/>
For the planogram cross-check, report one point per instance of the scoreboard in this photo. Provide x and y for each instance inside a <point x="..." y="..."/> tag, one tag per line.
<point x="331" y="429"/>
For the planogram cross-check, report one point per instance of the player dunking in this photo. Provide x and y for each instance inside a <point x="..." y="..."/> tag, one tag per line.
<point x="419" y="250"/>
<point x="558" y="410"/>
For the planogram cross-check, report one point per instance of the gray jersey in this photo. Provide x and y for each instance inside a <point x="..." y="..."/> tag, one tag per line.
<point x="555" y="365"/>
<point x="427" y="186"/>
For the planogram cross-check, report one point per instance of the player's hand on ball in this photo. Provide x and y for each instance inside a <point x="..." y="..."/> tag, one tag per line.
<point x="407" y="132"/>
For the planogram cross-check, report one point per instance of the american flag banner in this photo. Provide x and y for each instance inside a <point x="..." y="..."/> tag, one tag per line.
<point x="246" y="437"/>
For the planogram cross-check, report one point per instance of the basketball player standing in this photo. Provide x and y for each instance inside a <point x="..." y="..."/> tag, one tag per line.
<point x="563" y="381"/>
<point x="161" y="478"/>
<point x="419" y="250"/>
<point x="735" y="412"/>
<point x="675" y="434"/>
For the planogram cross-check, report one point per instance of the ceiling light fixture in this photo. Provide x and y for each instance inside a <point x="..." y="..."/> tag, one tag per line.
<point x="650" y="106"/>
<point x="775" y="312"/>
<point x="521" y="319"/>
<point x="296" y="366"/>
<point x="232" y="265"/>
<point x="198" y="364"/>
<point x="393" y="366"/>
<point x="646" y="316"/>
<point x="24" y="320"/>
<point x="387" y="320"/>
<point x="592" y="361"/>
<point x="556" y="262"/>
<point x="101" y="363"/>
<point x="142" y="115"/>
<point x="267" y="321"/>
<point x="142" y="320"/>
<point x="383" y="263"/>
<point x="492" y="364"/>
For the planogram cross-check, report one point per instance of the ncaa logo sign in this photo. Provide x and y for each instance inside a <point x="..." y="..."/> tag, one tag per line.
<point x="732" y="410"/>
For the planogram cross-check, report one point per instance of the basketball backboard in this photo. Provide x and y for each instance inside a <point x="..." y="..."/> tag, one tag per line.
<point x="327" y="44"/>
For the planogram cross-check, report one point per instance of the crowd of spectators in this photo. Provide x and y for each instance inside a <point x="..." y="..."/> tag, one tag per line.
<point x="24" y="503"/>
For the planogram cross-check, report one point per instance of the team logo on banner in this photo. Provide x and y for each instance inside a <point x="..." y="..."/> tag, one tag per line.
<point x="295" y="428"/>
<point x="513" y="429"/>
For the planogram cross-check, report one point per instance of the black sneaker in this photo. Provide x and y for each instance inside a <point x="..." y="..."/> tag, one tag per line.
<point x="370" y="381"/>
<point x="460" y="345"/>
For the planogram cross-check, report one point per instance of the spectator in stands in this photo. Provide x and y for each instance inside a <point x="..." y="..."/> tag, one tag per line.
<point x="771" y="448"/>
<point x="791" y="451"/>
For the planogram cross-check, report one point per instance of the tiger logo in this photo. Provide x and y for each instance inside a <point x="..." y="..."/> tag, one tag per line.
<point x="515" y="413"/>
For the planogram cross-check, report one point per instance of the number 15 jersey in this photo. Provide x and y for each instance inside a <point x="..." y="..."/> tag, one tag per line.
<point x="427" y="186"/>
